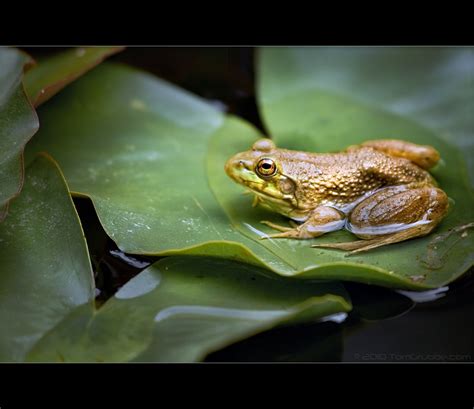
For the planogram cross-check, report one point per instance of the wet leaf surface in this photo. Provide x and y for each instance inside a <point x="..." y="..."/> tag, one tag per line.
<point x="18" y="122"/>
<point x="182" y="308"/>
<point x="44" y="266"/>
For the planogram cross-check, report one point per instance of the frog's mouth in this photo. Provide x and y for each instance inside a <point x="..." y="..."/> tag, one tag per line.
<point x="240" y="170"/>
<point x="285" y="206"/>
<point x="264" y="197"/>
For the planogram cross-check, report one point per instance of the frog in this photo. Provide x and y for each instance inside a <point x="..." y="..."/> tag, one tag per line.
<point x="379" y="190"/>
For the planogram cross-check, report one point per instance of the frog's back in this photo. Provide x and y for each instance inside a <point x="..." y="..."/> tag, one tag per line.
<point x="344" y="177"/>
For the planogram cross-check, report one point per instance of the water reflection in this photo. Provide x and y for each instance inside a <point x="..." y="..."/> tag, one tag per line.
<point x="425" y="296"/>
<point x="206" y="310"/>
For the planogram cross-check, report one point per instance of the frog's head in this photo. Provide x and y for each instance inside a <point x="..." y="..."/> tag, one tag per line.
<point x="262" y="170"/>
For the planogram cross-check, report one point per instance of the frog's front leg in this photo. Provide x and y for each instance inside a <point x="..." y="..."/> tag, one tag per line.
<point x="322" y="220"/>
<point x="393" y="215"/>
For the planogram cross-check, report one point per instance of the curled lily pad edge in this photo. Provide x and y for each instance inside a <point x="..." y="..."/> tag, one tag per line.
<point x="28" y="64"/>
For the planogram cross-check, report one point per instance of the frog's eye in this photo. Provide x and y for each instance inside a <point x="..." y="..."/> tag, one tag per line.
<point x="266" y="167"/>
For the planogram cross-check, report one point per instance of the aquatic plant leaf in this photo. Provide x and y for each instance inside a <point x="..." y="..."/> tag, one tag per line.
<point x="45" y="270"/>
<point x="137" y="146"/>
<point x="431" y="85"/>
<point x="182" y="308"/>
<point x="18" y="123"/>
<point x="53" y="73"/>
<point x="323" y="99"/>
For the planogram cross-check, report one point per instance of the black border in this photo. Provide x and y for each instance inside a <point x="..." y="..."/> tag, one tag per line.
<point x="129" y="385"/>
<point x="90" y="385"/>
<point x="241" y="25"/>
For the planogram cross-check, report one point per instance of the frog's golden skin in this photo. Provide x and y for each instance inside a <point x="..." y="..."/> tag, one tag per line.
<point x="380" y="190"/>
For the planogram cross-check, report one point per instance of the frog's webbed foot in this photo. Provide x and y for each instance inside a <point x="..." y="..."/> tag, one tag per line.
<point x="348" y="246"/>
<point x="360" y="246"/>
<point x="276" y="226"/>
<point x="288" y="232"/>
<point x="353" y="247"/>
<point x="322" y="220"/>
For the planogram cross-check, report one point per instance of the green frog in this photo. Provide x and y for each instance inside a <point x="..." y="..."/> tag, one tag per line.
<point x="379" y="190"/>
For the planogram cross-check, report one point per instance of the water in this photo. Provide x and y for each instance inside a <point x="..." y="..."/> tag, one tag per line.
<point x="441" y="330"/>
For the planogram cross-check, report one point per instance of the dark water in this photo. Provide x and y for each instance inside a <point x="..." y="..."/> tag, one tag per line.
<point x="384" y="326"/>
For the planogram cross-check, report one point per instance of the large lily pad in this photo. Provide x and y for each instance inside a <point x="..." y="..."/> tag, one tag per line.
<point x="323" y="100"/>
<point x="53" y="73"/>
<point x="182" y="308"/>
<point x="18" y="122"/>
<point x="137" y="146"/>
<point x="151" y="158"/>
<point x="45" y="270"/>
<point x="434" y="86"/>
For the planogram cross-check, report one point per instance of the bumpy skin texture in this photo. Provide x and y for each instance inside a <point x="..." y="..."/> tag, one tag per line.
<point x="380" y="190"/>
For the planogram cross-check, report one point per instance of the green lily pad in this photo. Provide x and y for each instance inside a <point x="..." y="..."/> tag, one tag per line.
<point x="137" y="146"/>
<point x="45" y="267"/>
<point x="182" y="308"/>
<point x="324" y="100"/>
<point x="18" y="123"/>
<point x="151" y="157"/>
<point x="430" y="85"/>
<point x="53" y="73"/>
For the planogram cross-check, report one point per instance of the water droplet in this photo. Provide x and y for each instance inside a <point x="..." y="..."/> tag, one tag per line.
<point x="138" y="105"/>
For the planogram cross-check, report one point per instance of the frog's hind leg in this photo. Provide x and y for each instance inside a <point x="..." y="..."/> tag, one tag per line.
<point x="359" y="246"/>
<point x="322" y="220"/>
<point x="422" y="155"/>
<point x="393" y="215"/>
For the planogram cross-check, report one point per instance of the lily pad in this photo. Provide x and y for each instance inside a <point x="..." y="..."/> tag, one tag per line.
<point x="151" y="157"/>
<point x="431" y="85"/>
<point x="137" y="146"/>
<point x="182" y="308"/>
<point x="18" y="123"/>
<point x="53" y="73"/>
<point x="324" y="100"/>
<point x="45" y="268"/>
